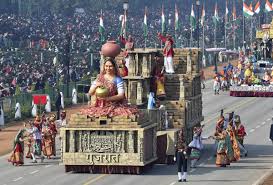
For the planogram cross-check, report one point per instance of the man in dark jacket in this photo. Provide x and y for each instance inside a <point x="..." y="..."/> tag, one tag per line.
<point x="58" y="103"/>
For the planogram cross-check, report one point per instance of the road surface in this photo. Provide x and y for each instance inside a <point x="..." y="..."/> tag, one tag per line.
<point x="256" y="114"/>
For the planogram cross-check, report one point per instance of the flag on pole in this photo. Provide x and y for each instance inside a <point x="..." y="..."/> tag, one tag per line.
<point x="192" y="19"/>
<point x="176" y="19"/>
<point x="257" y="8"/>
<point x="234" y="17"/>
<point x="247" y="10"/>
<point x="163" y="21"/>
<point x="216" y="16"/>
<point x="226" y="15"/>
<point x="123" y="24"/>
<point x="101" y="28"/>
<point x="227" y="22"/>
<point x="268" y="6"/>
<point x="203" y="14"/>
<point x="145" y="25"/>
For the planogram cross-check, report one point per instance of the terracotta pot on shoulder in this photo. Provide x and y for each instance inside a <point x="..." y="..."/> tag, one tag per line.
<point x="110" y="49"/>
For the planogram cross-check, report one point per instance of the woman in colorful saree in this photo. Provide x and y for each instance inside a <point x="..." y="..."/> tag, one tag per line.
<point x="233" y="146"/>
<point x="17" y="155"/>
<point x="47" y="141"/>
<point x="221" y="154"/>
<point x="109" y="92"/>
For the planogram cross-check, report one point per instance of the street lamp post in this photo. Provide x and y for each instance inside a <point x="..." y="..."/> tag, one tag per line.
<point x="197" y="27"/>
<point x="125" y="8"/>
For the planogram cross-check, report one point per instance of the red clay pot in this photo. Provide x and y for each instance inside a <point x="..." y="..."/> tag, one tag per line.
<point x="110" y="49"/>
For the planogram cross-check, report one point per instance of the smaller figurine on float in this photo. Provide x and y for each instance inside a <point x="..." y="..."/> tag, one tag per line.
<point x="248" y="71"/>
<point x="129" y="46"/>
<point x="158" y="83"/>
<point x="123" y="70"/>
<point x="266" y="78"/>
<point x="108" y="88"/>
<point x="168" y="52"/>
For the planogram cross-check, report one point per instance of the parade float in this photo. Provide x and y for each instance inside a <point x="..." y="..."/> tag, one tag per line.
<point x="130" y="144"/>
<point x="258" y="81"/>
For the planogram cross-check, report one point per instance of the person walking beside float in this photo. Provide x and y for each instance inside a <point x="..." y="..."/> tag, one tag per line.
<point x="181" y="157"/>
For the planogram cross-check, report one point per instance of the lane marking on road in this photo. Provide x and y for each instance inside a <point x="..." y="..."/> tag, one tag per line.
<point x="264" y="177"/>
<point x="19" y="178"/>
<point x="91" y="180"/>
<point x="252" y="130"/>
<point x="263" y="123"/>
<point x="192" y="170"/>
<point x="172" y="183"/>
<point x="48" y="165"/>
<point x="210" y="158"/>
<point x="258" y="126"/>
<point x="34" y="172"/>
<point x="268" y="119"/>
<point x="231" y="108"/>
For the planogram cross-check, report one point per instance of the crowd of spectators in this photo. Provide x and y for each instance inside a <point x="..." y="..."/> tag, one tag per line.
<point x="50" y="33"/>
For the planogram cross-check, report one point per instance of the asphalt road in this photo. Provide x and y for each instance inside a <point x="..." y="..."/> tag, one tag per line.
<point x="256" y="114"/>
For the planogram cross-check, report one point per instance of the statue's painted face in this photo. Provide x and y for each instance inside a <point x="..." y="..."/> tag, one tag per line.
<point x="109" y="68"/>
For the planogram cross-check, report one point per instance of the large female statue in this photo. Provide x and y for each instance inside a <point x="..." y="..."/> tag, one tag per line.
<point x="109" y="92"/>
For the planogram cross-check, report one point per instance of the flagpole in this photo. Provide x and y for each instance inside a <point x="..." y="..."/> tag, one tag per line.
<point x="226" y="26"/>
<point x="215" y="26"/>
<point x="203" y="43"/>
<point x="191" y="38"/>
<point x="225" y="35"/>
<point x="251" y="30"/>
<point x="234" y="36"/>
<point x="243" y="31"/>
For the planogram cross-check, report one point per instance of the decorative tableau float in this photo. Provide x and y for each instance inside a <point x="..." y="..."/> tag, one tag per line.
<point x="130" y="143"/>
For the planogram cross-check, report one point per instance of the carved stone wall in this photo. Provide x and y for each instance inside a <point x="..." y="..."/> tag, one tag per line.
<point x="115" y="146"/>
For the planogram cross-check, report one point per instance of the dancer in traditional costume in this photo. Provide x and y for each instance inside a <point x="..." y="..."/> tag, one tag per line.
<point x="109" y="92"/>
<point x="36" y="130"/>
<point x="221" y="158"/>
<point x="219" y="127"/>
<point x="17" y="155"/>
<point x="233" y="150"/>
<point x="181" y="156"/>
<point x="53" y="131"/>
<point x="29" y="143"/>
<point x="47" y="141"/>
<point x="240" y="134"/>
<point x="220" y="142"/>
<point x="196" y="145"/>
